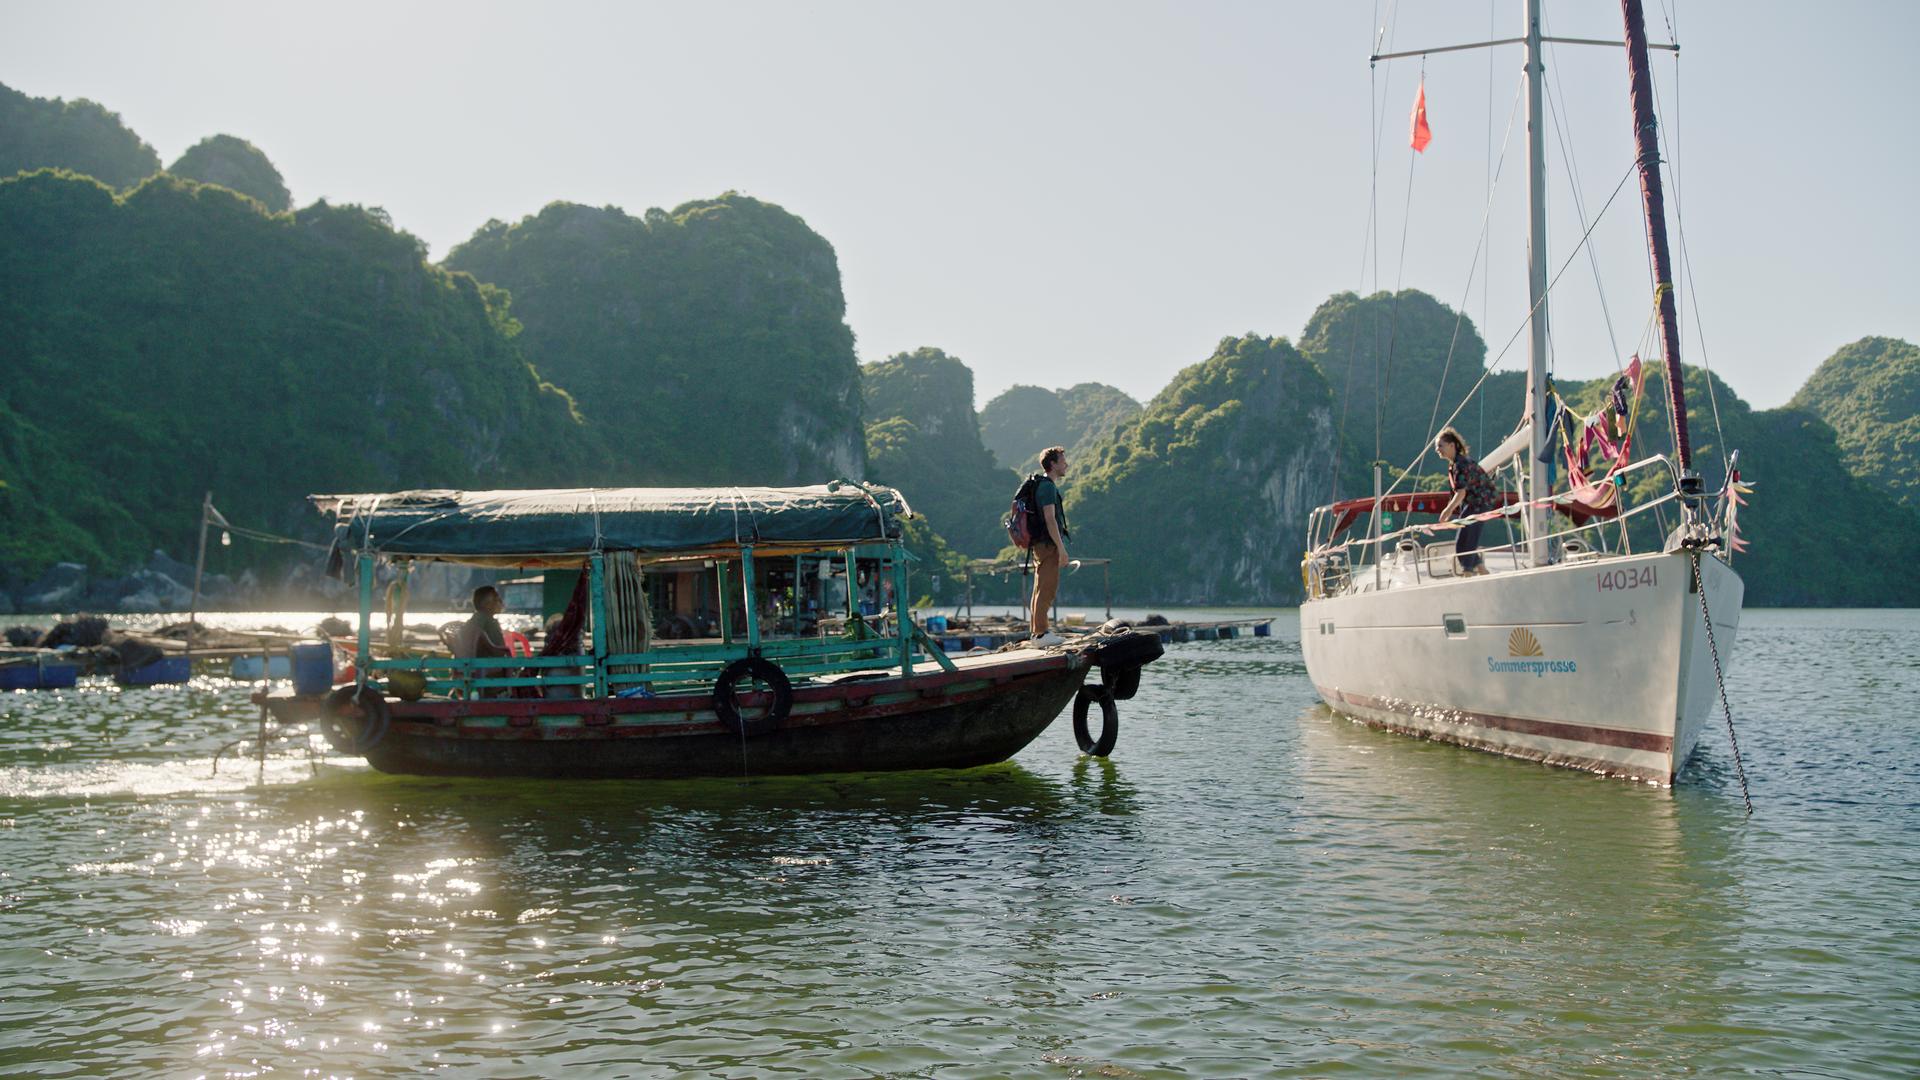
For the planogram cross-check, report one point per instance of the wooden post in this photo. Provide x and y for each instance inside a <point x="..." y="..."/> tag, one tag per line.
<point x="363" y="654"/>
<point x="199" y="567"/>
<point x="1106" y="585"/>
<point x="724" y="588"/>
<point x="597" y="589"/>
<point x="902" y="614"/>
<point x="747" y="598"/>
<point x="398" y="594"/>
<point x="853" y="585"/>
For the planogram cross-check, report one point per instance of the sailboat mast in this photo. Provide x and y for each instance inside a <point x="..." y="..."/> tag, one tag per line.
<point x="1647" y="147"/>
<point x="1537" y="488"/>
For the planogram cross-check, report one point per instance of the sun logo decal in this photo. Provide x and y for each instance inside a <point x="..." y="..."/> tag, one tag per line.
<point x="1522" y="643"/>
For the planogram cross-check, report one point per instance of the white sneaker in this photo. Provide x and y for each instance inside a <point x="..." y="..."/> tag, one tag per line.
<point x="1048" y="640"/>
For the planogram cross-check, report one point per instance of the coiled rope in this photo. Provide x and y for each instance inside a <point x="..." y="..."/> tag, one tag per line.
<point x="1720" y="682"/>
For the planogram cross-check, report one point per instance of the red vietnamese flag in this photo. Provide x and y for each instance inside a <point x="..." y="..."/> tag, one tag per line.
<point x="1422" y="134"/>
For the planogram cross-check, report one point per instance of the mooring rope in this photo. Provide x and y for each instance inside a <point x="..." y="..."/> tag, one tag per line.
<point x="1720" y="681"/>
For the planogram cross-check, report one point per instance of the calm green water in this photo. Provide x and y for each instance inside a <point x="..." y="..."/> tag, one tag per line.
<point x="1250" y="887"/>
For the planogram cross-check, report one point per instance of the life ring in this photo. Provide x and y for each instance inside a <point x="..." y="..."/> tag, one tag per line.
<point x="354" y="719"/>
<point x="1109" y="720"/>
<point x="727" y="706"/>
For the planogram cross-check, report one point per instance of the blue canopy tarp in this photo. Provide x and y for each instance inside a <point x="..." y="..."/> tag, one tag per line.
<point x="566" y="523"/>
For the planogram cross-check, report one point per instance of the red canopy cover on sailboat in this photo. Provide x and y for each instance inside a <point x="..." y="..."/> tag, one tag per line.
<point x="1432" y="502"/>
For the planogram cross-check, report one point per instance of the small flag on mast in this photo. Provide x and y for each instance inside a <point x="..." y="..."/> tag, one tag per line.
<point x="1422" y="134"/>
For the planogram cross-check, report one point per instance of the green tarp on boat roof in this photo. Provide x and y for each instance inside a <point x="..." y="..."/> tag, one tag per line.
<point x="496" y="525"/>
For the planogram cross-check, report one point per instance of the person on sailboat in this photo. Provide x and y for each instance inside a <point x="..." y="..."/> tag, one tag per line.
<point x="1473" y="493"/>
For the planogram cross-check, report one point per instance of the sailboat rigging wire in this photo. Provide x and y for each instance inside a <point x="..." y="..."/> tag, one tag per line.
<point x="1377" y="114"/>
<point x="1580" y="207"/>
<point x="1686" y="259"/>
<point x="1384" y="379"/>
<point x="1720" y="682"/>
<point x="1551" y="283"/>
<point x="1486" y="221"/>
<point x="1370" y="239"/>
<point x="1353" y="339"/>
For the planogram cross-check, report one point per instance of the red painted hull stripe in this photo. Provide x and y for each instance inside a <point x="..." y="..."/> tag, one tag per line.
<point x="1597" y="736"/>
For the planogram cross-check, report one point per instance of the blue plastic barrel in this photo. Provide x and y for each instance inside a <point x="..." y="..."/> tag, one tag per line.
<point x="169" y="669"/>
<point x="253" y="667"/>
<point x="312" y="669"/>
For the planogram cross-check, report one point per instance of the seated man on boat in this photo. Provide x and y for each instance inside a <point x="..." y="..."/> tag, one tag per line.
<point x="480" y="636"/>
<point x="1473" y="494"/>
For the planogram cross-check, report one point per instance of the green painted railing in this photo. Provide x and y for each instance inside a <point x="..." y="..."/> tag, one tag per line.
<point x="667" y="668"/>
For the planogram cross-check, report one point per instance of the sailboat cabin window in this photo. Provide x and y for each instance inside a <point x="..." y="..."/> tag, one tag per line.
<point x="1456" y="625"/>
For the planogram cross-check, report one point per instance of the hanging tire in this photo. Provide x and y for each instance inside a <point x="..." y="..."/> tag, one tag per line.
<point x="355" y="719"/>
<point x="1109" y="720"/>
<point x="726" y="704"/>
<point x="1124" y="684"/>
<point x="1133" y="649"/>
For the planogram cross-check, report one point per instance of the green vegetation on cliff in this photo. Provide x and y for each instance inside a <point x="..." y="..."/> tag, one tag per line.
<point x="924" y="438"/>
<point x="235" y="164"/>
<point x="79" y="136"/>
<point x="179" y="337"/>
<point x="179" y="340"/>
<point x="706" y="345"/>
<point x="1818" y="534"/>
<point x="1203" y="497"/>
<point x="1385" y="360"/>
<point x="1869" y="393"/>
<point x="1024" y="420"/>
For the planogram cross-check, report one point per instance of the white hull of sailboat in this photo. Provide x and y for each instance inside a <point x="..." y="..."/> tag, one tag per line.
<point x="1601" y="665"/>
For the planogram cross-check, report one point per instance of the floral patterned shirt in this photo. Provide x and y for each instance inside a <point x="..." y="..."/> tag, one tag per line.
<point x="1465" y="474"/>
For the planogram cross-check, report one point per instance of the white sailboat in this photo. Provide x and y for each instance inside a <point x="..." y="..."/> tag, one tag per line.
<point x="1573" y="649"/>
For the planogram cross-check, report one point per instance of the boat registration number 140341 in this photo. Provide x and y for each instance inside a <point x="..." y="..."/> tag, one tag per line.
<point x="1632" y="577"/>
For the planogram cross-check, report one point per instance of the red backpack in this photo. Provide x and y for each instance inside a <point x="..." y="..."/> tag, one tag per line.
<point x="1020" y="519"/>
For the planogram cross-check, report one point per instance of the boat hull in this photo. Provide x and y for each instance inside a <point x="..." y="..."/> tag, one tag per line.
<point x="985" y="712"/>
<point x="1601" y="665"/>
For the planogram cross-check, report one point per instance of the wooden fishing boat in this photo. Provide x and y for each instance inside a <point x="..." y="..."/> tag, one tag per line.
<point x="604" y="698"/>
<point x="1572" y="648"/>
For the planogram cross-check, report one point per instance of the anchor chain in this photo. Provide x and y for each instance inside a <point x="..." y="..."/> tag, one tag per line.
<point x="1720" y="681"/>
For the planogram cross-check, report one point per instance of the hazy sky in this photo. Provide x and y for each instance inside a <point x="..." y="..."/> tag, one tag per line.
<point x="1062" y="192"/>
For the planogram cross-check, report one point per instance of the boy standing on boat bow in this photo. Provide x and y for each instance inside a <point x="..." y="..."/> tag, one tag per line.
<point x="1050" y="543"/>
<point x="1473" y="493"/>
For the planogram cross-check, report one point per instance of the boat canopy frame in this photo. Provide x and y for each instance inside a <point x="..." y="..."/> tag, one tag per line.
<point x="579" y="528"/>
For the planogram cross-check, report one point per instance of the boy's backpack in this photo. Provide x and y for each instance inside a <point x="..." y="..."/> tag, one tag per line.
<point x="1022" y="516"/>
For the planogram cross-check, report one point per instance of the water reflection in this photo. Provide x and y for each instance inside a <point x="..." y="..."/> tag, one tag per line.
<point x="1248" y="886"/>
<point x="1601" y="911"/>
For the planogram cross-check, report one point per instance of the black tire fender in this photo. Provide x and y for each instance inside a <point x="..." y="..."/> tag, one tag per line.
<point x="1109" y="720"/>
<point x="1124" y="683"/>
<point x="1133" y="649"/>
<point x="726" y="704"/>
<point x="354" y="719"/>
